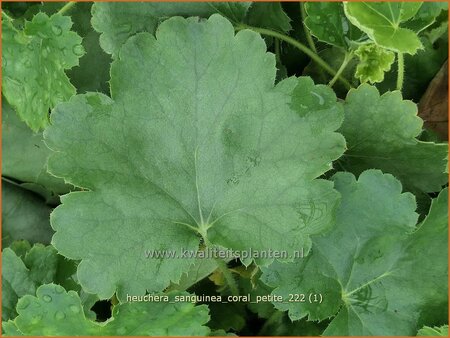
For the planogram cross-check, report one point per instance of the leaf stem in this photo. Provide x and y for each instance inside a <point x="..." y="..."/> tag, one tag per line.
<point x="66" y="7"/>
<point x="316" y="58"/>
<point x="227" y="274"/>
<point x="347" y="58"/>
<point x="401" y="71"/>
<point x="274" y="317"/>
<point x="307" y="32"/>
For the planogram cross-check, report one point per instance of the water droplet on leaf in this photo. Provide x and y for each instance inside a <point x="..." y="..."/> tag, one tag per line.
<point x="78" y="50"/>
<point x="47" y="298"/>
<point x="60" y="315"/>
<point x="23" y="304"/>
<point x="57" y="30"/>
<point x="124" y="29"/>
<point x="36" y="319"/>
<point x="74" y="308"/>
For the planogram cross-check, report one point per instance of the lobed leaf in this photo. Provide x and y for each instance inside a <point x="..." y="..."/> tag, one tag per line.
<point x="167" y="165"/>
<point x="118" y="21"/>
<point x="374" y="62"/>
<point x="56" y="312"/>
<point x="384" y="23"/>
<point x="381" y="132"/>
<point x="376" y="272"/>
<point x="33" y="79"/>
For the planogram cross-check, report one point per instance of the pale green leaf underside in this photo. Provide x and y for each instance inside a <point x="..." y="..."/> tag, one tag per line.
<point x="434" y="331"/>
<point x="166" y="162"/>
<point x="24" y="156"/>
<point x="328" y="23"/>
<point x="384" y="23"/>
<point x="374" y="61"/>
<point x="381" y="133"/>
<point x="55" y="312"/>
<point x="376" y="275"/>
<point x="118" y="21"/>
<point x="34" y="60"/>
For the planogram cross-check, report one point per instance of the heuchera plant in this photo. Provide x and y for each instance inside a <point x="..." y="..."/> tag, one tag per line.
<point x="138" y="137"/>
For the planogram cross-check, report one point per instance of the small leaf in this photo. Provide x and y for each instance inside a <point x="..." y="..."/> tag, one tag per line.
<point x="56" y="312"/>
<point x="374" y="61"/>
<point x="384" y="23"/>
<point x="33" y="65"/>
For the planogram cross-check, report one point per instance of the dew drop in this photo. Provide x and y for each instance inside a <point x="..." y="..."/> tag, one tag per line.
<point x="74" y="308"/>
<point x="318" y="17"/>
<point x="124" y="29"/>
<point x="30" y="46"/>
<point x="332" y="39"/>
<point x="321" y="100"/>
<point x="78" y="50"/>
<point x="57" y="30"/>
<point x="36" y="319"/>
<point x="121" y="331"/>
<point x="47" y="298"/>
<point x="23" y="304"/>
<point x="60" y="315"/>
<point x="59" y="289"/>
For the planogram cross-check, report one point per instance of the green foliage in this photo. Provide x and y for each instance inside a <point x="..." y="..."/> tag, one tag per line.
<point x="381" y="132"/>
<point x="62" y="313"/>
<point x="434" y="331"/>
<point x="366" y="268"/>
<point x="139" y="139"/>
<point x="384" y="22"/>
<point x="374" y="61"/>
<point x="211" y="187"/>
<point x="34" y="60"/>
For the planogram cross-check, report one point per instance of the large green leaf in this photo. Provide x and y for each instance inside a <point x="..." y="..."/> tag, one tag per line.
<point x="328" y="23"/>
<point x="55" y="312"/>
<point x="381" y="133"/>
<point x="34" y="60"/>
<point x="24" y="156"/>
<point x="377" y="273"/>
<point x="384" y="23"/>
<point x="24" y="216"/>
<point x="201" y="148"/>
<point x="117" y="21"/>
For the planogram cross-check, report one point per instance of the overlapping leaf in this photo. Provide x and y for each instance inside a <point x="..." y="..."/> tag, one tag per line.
<point x="24" y="157"/>
<point x="384" y="22"/>
<point x="34" y="60"/>
<point x="166" y="163"/>
<point x="55" y="312"/>
<point x="24" y="216"/>
<point x="381" y="133"/>
<point x="118" y="21"/>
<point x="377" y="274"/>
